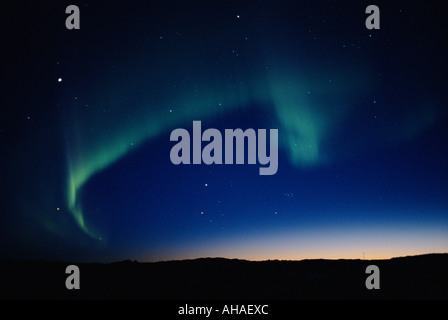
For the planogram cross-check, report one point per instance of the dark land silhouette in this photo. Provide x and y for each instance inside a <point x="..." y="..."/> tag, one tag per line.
<point x="412" y="277"/>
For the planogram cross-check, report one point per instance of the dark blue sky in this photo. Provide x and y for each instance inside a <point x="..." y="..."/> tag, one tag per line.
<point x="361" y="114"/>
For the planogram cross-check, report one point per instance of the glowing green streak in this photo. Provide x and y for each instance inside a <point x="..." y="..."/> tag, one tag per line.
<point x="306" y="118"/>
<point x="103" y="139"/>
<point x="98" y="154"/>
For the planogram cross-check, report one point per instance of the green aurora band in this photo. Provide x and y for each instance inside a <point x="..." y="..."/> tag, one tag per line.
<point x="309" y="108"/>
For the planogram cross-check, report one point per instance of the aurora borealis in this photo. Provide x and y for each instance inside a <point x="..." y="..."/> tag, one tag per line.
<point x="361" y="118"/>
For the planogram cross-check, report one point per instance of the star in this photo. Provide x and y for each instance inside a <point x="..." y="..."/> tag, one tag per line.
<point x="59" y="79"/>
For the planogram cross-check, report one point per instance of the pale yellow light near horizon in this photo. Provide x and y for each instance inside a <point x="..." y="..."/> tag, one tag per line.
<point x="369" y="244"/>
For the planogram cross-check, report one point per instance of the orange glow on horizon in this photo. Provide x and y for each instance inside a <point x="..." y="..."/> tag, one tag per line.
<point x="370" y="244"/>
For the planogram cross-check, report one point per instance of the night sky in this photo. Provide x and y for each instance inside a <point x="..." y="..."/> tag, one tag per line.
<point x="86" y="118"/>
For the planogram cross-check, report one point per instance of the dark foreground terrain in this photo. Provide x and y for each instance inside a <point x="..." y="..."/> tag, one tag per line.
<point x="415" y="277"/>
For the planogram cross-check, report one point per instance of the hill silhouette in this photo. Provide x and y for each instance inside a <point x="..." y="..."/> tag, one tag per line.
<point x="412" y="277"/>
